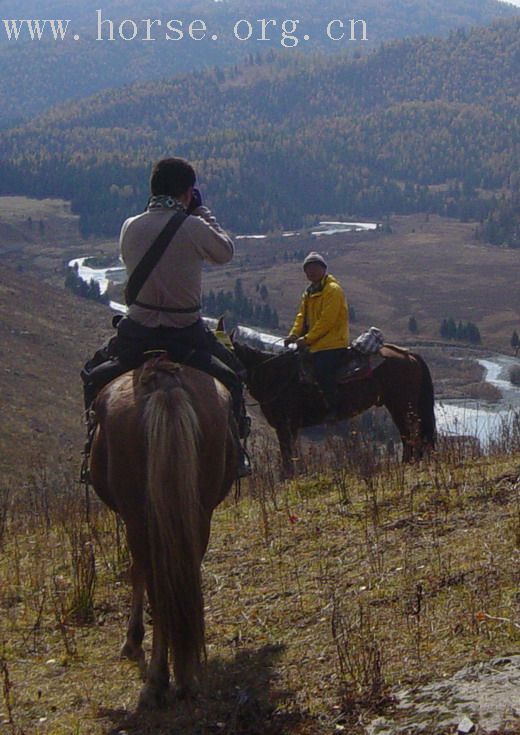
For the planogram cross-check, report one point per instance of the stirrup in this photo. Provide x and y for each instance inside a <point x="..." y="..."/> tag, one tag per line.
<point x="244" y="426"/>
<point x="244" y="468"/>
<point x="84" y="473"/>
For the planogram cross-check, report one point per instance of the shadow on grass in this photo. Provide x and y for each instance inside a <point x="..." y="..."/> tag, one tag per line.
<point x="238" y="697"/>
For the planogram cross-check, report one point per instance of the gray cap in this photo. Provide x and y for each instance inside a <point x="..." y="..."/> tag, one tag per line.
<point x="314" y="258"/>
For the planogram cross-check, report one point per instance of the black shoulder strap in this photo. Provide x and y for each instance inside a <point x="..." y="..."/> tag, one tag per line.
<point x="152" y="256"/>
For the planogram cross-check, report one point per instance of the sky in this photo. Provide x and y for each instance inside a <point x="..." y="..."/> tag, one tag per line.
<point x="515" y="2"/>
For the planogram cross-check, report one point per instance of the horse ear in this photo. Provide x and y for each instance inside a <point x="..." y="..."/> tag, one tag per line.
<point x="221" y="327"/>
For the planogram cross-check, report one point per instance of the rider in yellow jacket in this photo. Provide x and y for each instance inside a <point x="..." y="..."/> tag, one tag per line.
<point x="321" y="324"/>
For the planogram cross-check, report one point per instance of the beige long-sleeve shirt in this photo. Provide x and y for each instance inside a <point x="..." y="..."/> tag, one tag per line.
<point x="176" y="280"/>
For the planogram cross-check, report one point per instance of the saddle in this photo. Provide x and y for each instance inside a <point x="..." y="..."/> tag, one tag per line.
<point x="356" y="366"/>
<point x="118" y="356"/>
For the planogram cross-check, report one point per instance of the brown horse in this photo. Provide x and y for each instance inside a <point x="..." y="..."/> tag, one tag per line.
<point x="402" y="383"/>
<point x="163" y="457"/>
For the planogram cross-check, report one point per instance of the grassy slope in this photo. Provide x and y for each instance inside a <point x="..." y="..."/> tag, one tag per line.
<point x="276" y="558"/>
<point x="297" y="577"/>
<point x="45" y="336"/>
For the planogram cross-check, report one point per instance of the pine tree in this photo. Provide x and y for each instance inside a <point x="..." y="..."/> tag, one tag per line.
<point x="412" y="325"/>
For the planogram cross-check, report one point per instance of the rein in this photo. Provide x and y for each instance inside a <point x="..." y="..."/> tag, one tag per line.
<point x="282" y="388"/>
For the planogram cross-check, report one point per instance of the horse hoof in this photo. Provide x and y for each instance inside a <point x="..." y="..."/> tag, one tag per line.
<point x="152" y="698"/>
<point x="136" y="654"/>
<point x="132" y="652"/>
<point x="185" y="693"/>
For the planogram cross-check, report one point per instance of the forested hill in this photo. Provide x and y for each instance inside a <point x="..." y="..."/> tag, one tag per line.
<point x="418" y="124"/>
<point x="35" y="75"/>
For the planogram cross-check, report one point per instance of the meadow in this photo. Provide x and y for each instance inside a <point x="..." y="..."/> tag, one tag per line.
<point x="322" y="594"/>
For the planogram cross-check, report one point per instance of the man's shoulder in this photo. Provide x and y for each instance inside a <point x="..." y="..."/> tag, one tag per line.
<point x="144" y="217"/>
<point x="331" y="284"/>
<point x="131" y="221"/>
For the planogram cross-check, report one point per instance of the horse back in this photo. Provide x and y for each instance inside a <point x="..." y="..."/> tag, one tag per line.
<point x="119" y="451"/>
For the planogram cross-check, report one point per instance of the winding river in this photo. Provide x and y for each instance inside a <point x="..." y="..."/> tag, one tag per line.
<point x="482" y="419"/>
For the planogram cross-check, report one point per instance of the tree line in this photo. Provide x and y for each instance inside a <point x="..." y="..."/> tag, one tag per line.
<point x="419" y="125"/>
<point x="460" y="331"/>
<point x="239" y="308"/>
<point x="36" y="76"/>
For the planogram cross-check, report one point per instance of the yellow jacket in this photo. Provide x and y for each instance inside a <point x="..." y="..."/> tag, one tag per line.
<point x="323" y="316"/>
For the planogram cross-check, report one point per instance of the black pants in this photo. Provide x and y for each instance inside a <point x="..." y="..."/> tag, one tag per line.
<point x="195" y="345"/>
<point x="326" y="364"/>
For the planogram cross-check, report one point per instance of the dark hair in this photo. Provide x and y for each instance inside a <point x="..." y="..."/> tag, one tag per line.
<point x="171" y="176"/>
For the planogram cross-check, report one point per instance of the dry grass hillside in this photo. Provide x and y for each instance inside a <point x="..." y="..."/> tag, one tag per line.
<point x="322" y="596"/>
<point x="45" y="336"/>
<point x="35" y="232"/>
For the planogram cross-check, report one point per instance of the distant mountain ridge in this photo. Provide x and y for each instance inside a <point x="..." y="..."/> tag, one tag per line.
<point x="421" y="124"/>
<point x="35" y="75"/>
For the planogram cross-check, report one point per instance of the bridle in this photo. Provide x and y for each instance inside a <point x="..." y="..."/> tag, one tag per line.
<point x="282" y="388"/>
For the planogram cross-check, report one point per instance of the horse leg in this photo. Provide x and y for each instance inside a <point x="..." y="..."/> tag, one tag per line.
<point x="286" y="442"/>
<point x="132" y="648"/>
<point x="408" y="426"/>
<point x="153" y="693"/>
<point x="157" y="679"/>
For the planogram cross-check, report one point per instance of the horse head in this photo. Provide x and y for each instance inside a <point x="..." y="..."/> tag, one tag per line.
<point x="266" y="372"/>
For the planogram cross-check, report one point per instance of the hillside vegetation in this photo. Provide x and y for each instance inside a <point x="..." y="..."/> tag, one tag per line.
<point x="37" y="75"/>
<point x="421" y="124"/>
<point x="321" y="596"/>
<point x="46" y="334"/>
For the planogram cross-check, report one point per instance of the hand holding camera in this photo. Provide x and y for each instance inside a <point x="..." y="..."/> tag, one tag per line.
<point x="196" y="201"/>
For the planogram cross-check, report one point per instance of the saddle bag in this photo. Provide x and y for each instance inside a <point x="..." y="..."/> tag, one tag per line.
<point x="370" y="342"/>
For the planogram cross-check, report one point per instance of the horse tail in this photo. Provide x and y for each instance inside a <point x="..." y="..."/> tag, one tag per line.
<point x="174" y="523"/>
<point x="426" y="404"/>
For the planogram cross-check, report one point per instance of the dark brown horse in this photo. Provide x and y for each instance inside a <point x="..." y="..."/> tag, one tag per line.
<point x="402" y="383"/>
<point x="163" y="457"/>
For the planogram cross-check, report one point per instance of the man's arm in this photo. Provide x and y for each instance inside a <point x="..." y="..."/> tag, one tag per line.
<point x="297" y="327"/>
<point x="124" y="227"/>
<point x="211" y="241"/>
<point x="333" y="299"/>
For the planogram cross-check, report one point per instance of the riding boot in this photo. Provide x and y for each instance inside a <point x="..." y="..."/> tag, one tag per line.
<point x="244" y="421"/>
<point x="239" y="437"/>
<point x="89" y="393"/>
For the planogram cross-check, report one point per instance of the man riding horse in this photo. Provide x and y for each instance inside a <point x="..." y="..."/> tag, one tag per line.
<point x="163" y="250"/>
<point x="321" y="325"/>
<point x="370" y="374"/>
